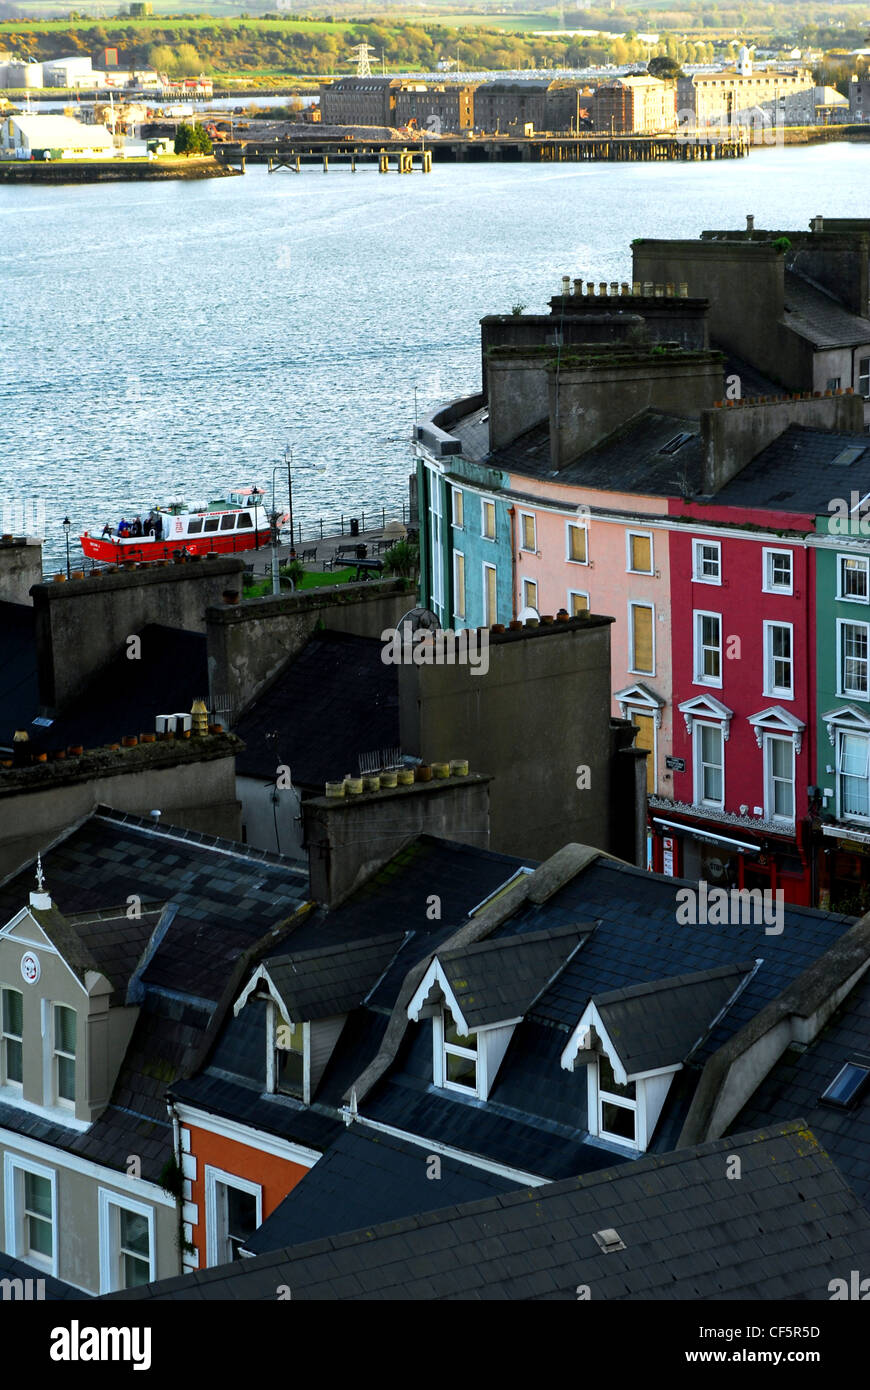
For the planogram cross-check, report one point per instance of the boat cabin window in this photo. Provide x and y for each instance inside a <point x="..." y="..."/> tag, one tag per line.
<point x="194" y="526"/>
<point x="228" y="522"/>
<point x="212" y="523"/>
<point x="244" y="521"/>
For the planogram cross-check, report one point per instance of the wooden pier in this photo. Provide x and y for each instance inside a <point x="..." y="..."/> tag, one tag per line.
<point x="405" y="156"/>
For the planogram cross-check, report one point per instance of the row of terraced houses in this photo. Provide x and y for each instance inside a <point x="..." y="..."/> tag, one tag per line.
<point x="689" y="454"/>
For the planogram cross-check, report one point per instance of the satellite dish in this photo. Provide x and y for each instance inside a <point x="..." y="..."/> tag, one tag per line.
<point x="420" y="619"/>
<point x="527" y="613"/>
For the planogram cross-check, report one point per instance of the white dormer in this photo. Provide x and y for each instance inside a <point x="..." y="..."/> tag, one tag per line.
<point x="622" y="1109"/>
<point x="464" y="1059"/>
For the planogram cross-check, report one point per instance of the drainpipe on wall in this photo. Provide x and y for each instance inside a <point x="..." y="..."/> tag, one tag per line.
<point x="179" y="1201"/>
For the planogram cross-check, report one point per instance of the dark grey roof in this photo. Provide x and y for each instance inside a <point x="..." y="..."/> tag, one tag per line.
<point x="365" y="1178"/>
<point x="497" y="980"/>
<point x="228" y="895"/>
<point x="794" y="1086"/>
<point x="797" y="473"/>
<point x="629" y="460"/>
<point x="330" y="980"/>
<point x="687" y="1233"/>
<point x="53" y="1290"/>
<point x="19" y="691"/>
<point x="818" y="317"/>
<point x="660" y="1023"/>
<point x="335" y="701"/>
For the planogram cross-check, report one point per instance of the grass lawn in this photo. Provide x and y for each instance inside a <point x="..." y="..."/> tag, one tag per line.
<point x="312" y="579"/>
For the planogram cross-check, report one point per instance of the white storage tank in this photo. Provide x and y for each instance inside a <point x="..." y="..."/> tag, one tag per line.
<point x="21" y="75"/>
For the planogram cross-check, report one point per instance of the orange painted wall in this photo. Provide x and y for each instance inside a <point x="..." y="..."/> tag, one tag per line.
<point x="276" y="1176"/>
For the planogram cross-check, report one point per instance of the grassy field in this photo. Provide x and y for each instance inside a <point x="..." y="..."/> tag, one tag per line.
<point x="310" y="580"/>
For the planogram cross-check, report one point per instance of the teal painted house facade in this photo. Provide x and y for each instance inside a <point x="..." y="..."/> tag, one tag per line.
<point x="466" y="550"/>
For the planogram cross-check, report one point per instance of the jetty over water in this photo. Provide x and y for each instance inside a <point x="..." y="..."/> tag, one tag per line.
<point x="406" y="155"/>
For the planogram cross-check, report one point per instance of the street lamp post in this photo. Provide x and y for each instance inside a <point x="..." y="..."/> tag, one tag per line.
<point x="288" y="459"/>
<point x="273" y="537"/>
<point x="255" y="494"/>
<point x="66" y="525"/>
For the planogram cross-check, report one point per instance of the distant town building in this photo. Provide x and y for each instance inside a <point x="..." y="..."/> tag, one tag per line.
<point x="444" y="108"/>
<point x="859" y="99"/>
<point x="508" y="107"/>
<point x="17" y="75"/>
<point x="831" y="106"/>
<point x="634" y="106"/>
<point x="739" y="95"/>
<point x="29" y="137"/>
<point x="75" y="71"/>
<point x="359" y="101"/>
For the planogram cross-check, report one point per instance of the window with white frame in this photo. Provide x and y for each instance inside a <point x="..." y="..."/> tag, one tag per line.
<point x="487" y="520"/>
<point x="708" y="648"/>
<point x="30" y="1199"/>
<point x="528" y="532"/>
<point x="641" y="639"/>
<point x="578" y="602"/>
<point x="778" y="665"/>
<point x="576" y="542"/>
<point x="459" y="1068"/>
<point x="707" y="562"/>
<point x="291" y="1054"/>
<point x="639" y="552"/>
<point x="127" y="1257"/>
<point x="458" y="584"/>
<point x="853" y="775"/>
<point x="709" y="758"/>
<point x="778" y="572"/>
<point x="779" y="778"/>
<point x="617" y="1105"/>
<point x="853" y="642"/>
<point x="64" y="1056"/>
<point x="436" y="547"/>
<point x="864" y="377"/>
<point x="457" y="506"/>
<point x="11" y="1038"/>
<point x="530" y="593"/>
<point x="233" y="1211"/>
<point x="852" y="573"/>
<point x="490" y="596"/>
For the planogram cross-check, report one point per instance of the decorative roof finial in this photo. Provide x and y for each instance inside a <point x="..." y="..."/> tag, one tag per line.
<point x="40" y="876"/>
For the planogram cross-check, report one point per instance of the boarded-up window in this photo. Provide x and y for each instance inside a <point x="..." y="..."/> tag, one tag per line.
<point x="641" y="639"/>
<point x="640" y="553"/>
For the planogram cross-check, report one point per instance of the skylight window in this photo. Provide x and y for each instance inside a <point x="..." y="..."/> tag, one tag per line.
<point x="846" y="457"/>
<point x="847" y="1085"/>
<point x="676" y="443"/>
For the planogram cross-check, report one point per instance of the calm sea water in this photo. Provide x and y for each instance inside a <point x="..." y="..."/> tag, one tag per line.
<point x="171" y="338"/>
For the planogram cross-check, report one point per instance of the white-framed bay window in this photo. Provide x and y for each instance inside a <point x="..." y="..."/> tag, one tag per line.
<point x="853" y="775"/>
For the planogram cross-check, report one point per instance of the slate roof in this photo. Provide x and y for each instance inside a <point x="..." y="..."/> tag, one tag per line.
<point x="628" y="460"/>
<point x="55" y="1290"/>
<point x="335" y="701"/>
<point x="815" y="315"/>
<point x="783" y="1232"/>
<point x="108" y="942"/>
<point x="331" y="980"/>
<point x="496" y="980"/>
<point x="797" y="473"/>
<point x="795" y="1084"/>
<point x="19" y="691"/>
<point x="366" y="1178"/>
<point x="660" y="1023"/>
<point x="228" y="895"/>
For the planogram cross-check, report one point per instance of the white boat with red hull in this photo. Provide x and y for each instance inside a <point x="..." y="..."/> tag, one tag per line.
<point x="226" y="526"/>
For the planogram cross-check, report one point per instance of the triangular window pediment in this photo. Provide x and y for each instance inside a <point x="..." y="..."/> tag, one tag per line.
<point x="776" y="720"/>
<point x="846" y="717"/>
<point x="706" y="707"/>
<point x="640" y="696"/>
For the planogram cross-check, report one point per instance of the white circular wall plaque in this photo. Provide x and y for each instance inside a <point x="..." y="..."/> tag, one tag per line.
<point x="30" y="967"/>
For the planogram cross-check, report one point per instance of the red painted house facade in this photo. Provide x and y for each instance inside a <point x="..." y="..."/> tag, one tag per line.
<point x="743" y="643"/>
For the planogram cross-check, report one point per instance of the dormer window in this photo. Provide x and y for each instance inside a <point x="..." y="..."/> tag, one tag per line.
<point x="617" y="1105"/>
<point x="64" y="1058"/>
<point x="11" y="1036"/>
<point x="460" y="1056"/>
<point x="290" y="1058"/>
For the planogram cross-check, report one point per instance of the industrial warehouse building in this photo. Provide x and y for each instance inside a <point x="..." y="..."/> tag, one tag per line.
<point x="741" y="95"/>
<point x="31" y="137"/>
<point x="634" y="106"/>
